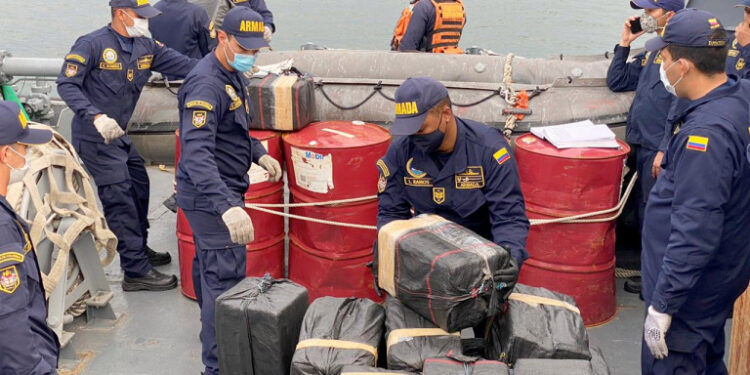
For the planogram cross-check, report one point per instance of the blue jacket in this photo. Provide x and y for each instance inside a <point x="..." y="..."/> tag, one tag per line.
<point x="738" y="60"/>
<point x="478" y="186"/>
<point x="184" y="27"/>
<point x="647" y="118"/>
<point x="422" y="22"/>
<point x="28" y="345"/>
<point x="696" y="250"/>
<point x="216" y="149"/>
<point x="260" y="7"/>
<point x="105" y="73"/>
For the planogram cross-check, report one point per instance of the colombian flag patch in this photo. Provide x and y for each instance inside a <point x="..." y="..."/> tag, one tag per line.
<point x="697" y="143"/>
<point x="501" y="156"/>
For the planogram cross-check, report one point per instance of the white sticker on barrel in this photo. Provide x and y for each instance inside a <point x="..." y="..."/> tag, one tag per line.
<point x="312" y="171"/>
<point x="256" y="173"/>
<point x="343" y="134"/>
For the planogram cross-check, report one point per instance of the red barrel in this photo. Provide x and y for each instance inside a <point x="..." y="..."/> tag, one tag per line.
<point x="333" y="161"/>
<point x="574" y="259"/>
<point x="266" y="253"/>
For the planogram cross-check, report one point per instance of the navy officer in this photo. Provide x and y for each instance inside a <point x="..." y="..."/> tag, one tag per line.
<point x="217" y="152"/>
<point x="184" y="27"/>
<point x="457" y="168"/>
<point x="738" y="57"/>
<point x="696" y="251"/>
<point x="101" y="81"/>
<point x="28" y="345"/>
<point x="260" y="7"/>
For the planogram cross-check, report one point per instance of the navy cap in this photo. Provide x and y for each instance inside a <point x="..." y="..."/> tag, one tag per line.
<point x="15" y="129"/>
<point x="247" y="26"/>
<point x="689" y="28"/>
<point x="141" y="7"/>
<point x="669" y="5"/>
<point x="744" y="3"/>
<point x="414" y="99"/>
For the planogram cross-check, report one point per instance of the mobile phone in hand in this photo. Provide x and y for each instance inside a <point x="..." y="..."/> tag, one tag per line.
<point x="635" y="26"/>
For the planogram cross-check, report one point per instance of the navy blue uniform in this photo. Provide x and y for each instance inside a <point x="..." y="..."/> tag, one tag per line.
<point x="184" y="27"/>
<point x="696" y="251"/>
<point x="260" y="7"/>
<point x="647" y="118"/>
<point x="28" y="346"/>
<point x="212" y="177"/>
<point x="422" y="22"/>
<point x="738" y="60"/>
<point x="477" y="186"/>
<point x="104" y="73"/>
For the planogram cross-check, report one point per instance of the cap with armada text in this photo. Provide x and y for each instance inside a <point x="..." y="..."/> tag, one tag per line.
<point x="668" y="5"/>
<point x="15" y="129"/>
<point x="689" y="28"/>
<point x="141" y="7"/>
<point x="247" y="27"/>
<point x="414" y="99"/>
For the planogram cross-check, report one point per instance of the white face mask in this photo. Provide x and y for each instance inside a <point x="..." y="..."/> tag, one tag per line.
<point x="139" y="28"/>
<point x="17" y="174"/>
<point x="671" y="88"/>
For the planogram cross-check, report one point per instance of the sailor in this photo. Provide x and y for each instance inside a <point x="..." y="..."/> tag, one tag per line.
<point x="696" y="251"/>
<point x="457" y="168"/>
<point x="260" y="7"/>
<point x="738" y="58"/>
<point x="217" y="152"/>
<point x="434" y="26"/>
<point x="28" y="345"/>
<point x="101" y="80"/>
<point x="184" y="27"/>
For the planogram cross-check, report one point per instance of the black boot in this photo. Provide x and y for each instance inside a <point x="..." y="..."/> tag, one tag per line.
<point x="157" y="259"/>
<point x="152" y="281"/>
<point x="633" y="285"/>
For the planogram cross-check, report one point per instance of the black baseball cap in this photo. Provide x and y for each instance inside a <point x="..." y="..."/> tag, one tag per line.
<point x="14" y="128"/>
<point x="415" y="97"/>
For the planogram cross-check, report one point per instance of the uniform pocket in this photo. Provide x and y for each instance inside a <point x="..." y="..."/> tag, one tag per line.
<point x="468" y="202"/>
<point x="226" y="264"/>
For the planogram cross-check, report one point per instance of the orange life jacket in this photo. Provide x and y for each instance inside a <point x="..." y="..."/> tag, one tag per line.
<point x="450" y="18"/>
<point x="401" y="26"/>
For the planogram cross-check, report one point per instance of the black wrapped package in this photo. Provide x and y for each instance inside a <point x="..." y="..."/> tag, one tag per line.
<point x="539" y="324"/>
<point x="410" y="338"/>
<point x="362" y="370"/>
<point x="281" y="102"/>
<point x="337" y="332"/>
<point x="257" y="325"/>
<point x="441" y="270"/>
<point x="450" y="366"/>
<point x="552" y="367"/>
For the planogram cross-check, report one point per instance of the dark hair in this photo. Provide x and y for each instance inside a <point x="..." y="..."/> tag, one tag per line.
<point x="439" y="107"/>
<point x="708" y="60"/>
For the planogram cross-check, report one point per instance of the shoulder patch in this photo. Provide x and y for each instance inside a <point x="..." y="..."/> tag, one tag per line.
<point x="697" y="143"/>
<point x="740" y="64"/>
<point x="76" y="57"/>
<point x="199" y="104"/>
<point x="382" y="183"/>
<point x="383" y="168"/>
<point x="501" y="156"/>
<point x="71" y="70"/>
<point x="9" y="280"/>
<point x="199" y="118"/>
<point x="11" y="257"/>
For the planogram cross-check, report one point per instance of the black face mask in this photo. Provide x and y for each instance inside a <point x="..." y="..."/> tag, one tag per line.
<point x="429" y="143"/>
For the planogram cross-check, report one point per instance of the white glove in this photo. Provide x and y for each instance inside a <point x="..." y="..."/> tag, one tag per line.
<point x="267" y="33"/>
<point x="272" y="166"/>
<point x="239" y="224"/>
<point x="108" y="128"/>
<point x="655" y="332"/>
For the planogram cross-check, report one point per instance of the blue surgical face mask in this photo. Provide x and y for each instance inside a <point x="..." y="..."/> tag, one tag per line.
<point x="430" y="142"/>
<point x="241" y="63"/>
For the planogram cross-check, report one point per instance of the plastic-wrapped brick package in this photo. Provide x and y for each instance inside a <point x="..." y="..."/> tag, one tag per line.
<point x="539" y="324"/>
<point x="257" y="325"/>
<point x="450" y="366"/>
<point x="441" y="270"/>
<point x="337" y="332"/>
<point x="529" y="366"/>
<point x="362" y="370"/>
<point x="410" y="338"/>
<point x="281" y="102"/>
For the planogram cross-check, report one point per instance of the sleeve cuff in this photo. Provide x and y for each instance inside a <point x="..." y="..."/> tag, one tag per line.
<point x="660" y="304"/>
<point x="621" y="51"/>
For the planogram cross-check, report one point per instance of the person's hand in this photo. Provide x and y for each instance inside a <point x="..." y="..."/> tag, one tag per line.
<point x="267" y="34"/>
<point x="239" y="224"/>
<point x="742" y="33"/>
<point x="627" y="35"/>
<point x="506" y="278"/>
<point x="272" y="166"/>
<point x="108" y="128"/>
<point x="655" y="332"/>
<point x="656" y="165"/>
